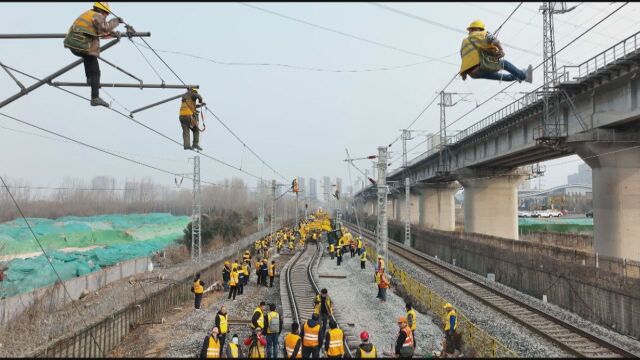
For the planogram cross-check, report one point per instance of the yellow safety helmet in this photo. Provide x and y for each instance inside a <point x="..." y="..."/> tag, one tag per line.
<point x="194" y="90"/>
<point x="102" y="5"/>
<point x="447" y="306"/>
<point x="479" y="24"/>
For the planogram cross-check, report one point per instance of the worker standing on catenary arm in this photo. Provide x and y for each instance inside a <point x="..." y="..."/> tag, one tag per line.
<point x="189" y="118"/>
<point x="83" y="39"/>
<point x="482" y="57"/>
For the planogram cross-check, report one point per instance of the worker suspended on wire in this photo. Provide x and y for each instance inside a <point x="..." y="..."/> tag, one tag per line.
<point x="83" y="39"/>
<point x="197" y="289"/>
<point x="483" y="57"/>
<point x="189" y="118"/>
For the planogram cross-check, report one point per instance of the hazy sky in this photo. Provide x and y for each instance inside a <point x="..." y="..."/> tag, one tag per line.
<point x="300" y="121"/>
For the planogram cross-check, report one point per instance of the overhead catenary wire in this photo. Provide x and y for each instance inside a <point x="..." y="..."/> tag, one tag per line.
<point x="513" y="83"/>
<point x="144" y="125"/>
<point x="46" y="256"/>
<point x="346" y="34"/>
<point x="507" y="19"/>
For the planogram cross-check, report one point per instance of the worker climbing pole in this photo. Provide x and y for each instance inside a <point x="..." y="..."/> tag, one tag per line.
<point x="483" y="57"/>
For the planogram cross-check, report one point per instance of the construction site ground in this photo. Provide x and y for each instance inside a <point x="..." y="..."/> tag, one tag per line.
<point x="184" y="328"/>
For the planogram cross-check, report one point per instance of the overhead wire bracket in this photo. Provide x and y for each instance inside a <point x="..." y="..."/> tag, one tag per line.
<point x="125" y="85"/>
<point x="13" y="77"/>
<point x="155" y="104"/>
<point x="121" y="70"/>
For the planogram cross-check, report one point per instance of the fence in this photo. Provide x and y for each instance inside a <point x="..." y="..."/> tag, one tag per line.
<point x="98" y="339"/>
<point x="473" y="337"/>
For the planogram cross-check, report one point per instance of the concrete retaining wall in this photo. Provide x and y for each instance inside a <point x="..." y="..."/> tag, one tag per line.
<point x="56" y="296"/>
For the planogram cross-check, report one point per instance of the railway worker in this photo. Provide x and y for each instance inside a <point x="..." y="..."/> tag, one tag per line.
<point x="483" y="57"/>
<point x="324" y="309"/>
<point x="363" y="258"/>
<point x="222" y="325"/>
<point x="339" y="251"/>
<point x="378" y="275"/>
<point x="83" y="39"/>
<point x="412" y="321"/>
<point x="450" y="327"/>
<point x="366" y="350"/>
<point x="359" y="245"/>
<point x="211" y="345"/>
<point x="352" y="247"/>
<point x="257" y="267"/>
<point x="292" y="246"/>
<point x="314" y="236"/>
<point x="404" y="342"/>
<point x="197" y="289"/>
<point x="189" y="118"/>
<point x="234" y="281"/>
<point x="272" y="272"/>
<point x="246" y="255"/>
<point x="256" y="343"/>
<point x="233" y="350"/>
<point x="380" y="266"/>
<point x="258" y="318"/>
<point x="384" y="285"/>
<point x="332" y="250"/>
<point x="241" y="278"/>
<point x="293" y="343"/>
<point x="311" y="338"/>
<point x="274" y="328"/>
<point x="264" y="272"/>
<point x="226" y="272"/>
<point x="334" y="341"/>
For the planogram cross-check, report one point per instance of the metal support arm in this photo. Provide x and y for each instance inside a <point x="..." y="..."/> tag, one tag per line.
<point x="13" y="77"/>
<point x="122" y="85"/>
<point x="61" y="36"/>
<point x="155" y="104"/>
<point x="120" y="69"/>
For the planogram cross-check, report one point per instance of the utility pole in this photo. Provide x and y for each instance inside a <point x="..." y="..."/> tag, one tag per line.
<point x="551" y="130"/>
<point x="273" y="209"/>
<point x="406" y="135"/>
<point x="382" y="203"/>
<point x="196" y="217"/>
<point x="446" y="100"/>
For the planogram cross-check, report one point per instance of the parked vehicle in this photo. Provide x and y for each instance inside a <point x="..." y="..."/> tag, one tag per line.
<point x="589" y="214"/>
<point x="524" y="214"/>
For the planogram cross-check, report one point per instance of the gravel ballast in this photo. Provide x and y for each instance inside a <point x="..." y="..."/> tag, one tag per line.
<point x="355" y="299"/>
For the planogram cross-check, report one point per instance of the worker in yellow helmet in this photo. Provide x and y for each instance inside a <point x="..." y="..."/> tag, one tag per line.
<point x="483" y="57"/>
<point x="189" y="118"/>
<point x="198" y="290"/>
<point x="83" y="39"/>
<point x="450" y="327"/>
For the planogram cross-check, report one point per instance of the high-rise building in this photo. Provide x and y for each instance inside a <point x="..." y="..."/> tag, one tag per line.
<point x="313" y="189"/>
<point x="583" y="176"/>
<point x="338" y="185"/>
<point x="302" y="187"/>
<point x="326" y="188"/>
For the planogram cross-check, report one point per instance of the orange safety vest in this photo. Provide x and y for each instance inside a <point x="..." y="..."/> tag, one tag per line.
<point x="81" y="32"/>
<point x="408" y="341"/>
<point x="290" y="342"/>
<point x="384" y="284"/>
<point x="311" y="335"/>
<point x="233" y="280"/>
<point x="188" y="106"/>
<point x="336" y="343"/>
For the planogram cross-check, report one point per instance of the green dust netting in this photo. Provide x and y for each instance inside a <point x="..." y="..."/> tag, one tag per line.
<point x="121" y="237"/>
<point x="581" y="225"/>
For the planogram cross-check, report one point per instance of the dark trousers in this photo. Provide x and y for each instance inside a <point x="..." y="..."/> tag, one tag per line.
<point x="353" y="251"/>
<point x="324" y="317"/>
<point x="198" y="301"/>
<point x="362" y="264"/>
<point x="271" y="281"/>
<point x="185" y="122"/>
<point x="240" y="288"/>
<point x="311" y="352"/>
<point x="264" y="279"/>
<point x="233" y="291"/>
<point x="92" y="71"/>
<point x="259" y="277"/>
<point x="339" y="260"/>
<point x="331" y="254"/>
<point x="222" y="338"/>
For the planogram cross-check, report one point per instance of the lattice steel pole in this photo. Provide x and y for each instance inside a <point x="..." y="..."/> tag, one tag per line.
<point x="273" y="209"/>
<point x="382" y="203"/>
<point x="407" y="209"/>
<point x="196" y="217"/>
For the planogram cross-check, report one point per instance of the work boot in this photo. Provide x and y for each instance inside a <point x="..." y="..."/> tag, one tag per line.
<point x="529" y="73"/>
<point x="197" y="147"/>
<point x="97" y="101"/>
<point x="187" y="147"/>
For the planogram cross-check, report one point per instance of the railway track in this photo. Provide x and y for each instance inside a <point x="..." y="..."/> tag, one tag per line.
<point x="570" y="338"/>
<point x="302" y="287"/>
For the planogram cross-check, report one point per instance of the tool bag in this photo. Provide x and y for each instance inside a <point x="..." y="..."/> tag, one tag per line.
<point x="489" y="60"/>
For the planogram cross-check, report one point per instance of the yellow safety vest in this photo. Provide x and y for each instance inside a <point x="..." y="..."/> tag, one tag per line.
<point x="197" y="288"/>
<point x="368" y="354"/>
<point x="188" y="106"/>
<point x="363" y="256"/>
<point x="245" y="269"/>
<point x="223" y="324"/>
<point x="468" y="53"/>
<point x="233" y="279"/>
<point x="81" y="32"/>
<point x="336" y="343"/>
<point x="272" y="270"/>
<point x="213" y="351"/>
<point x="290" y="342"/>
<point x="260" y="319"/>
<point x="311" y="335"/>
<point x="447" y="324"/>
<point x="331" y="249"/>
<point x="234" y="350"/>
<point x="273" y="318"/>
<point x="412" y="321"/>
<point x="359" y="244"/>
<point x="378" y="276"/>
<point x="316" y="308"/>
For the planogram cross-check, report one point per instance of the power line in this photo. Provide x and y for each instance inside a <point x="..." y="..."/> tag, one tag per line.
<point x="347" y="34"/>
<point x="141" y="124"/>
<point x="513" y="83"/>
<point x="46" y="256"/>
<point x="297" y="67"/>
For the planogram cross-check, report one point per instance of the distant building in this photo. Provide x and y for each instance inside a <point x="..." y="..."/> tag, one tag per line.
<point x="583" y="176"/>
<point x="525" y="185"/>
<point x="338" y="185"/>
<point x="302" y="187"/>
<point x="313" y="189"/>
<point x="326" y="188"/>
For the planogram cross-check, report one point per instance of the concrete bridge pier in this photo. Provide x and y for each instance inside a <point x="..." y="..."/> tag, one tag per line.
<point x="491" y="203"/>
<point x="437" y="206"/>
<point x="616" y="196"/>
